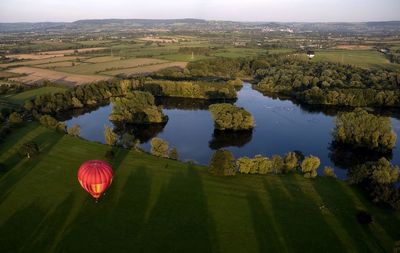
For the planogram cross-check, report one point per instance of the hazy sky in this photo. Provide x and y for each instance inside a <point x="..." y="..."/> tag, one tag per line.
<point x="238" y="10"/>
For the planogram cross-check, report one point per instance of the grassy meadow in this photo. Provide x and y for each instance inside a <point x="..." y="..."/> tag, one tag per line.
<point x="360" y="58"/>
<point x="160" y="205"/>
<point x="21" y="97"/>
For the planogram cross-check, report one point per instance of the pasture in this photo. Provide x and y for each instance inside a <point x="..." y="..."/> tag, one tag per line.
<point x="360" y="58"/>
<point x="160" y="205"/>
<point x="21" y="97"/>
<point x="145" y="69"/>
<point x="36" y="75"/>
<point x="95" y="68"/>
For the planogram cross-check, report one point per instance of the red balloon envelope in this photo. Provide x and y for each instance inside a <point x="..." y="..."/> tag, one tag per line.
<point x="95" y="177"/>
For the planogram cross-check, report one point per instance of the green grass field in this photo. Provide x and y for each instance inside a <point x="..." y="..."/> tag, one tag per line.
<point x="21" y="97"/>
<point x="159" y="205"/>
<point x="360" y="58"/>
<point x="94" y="68"/>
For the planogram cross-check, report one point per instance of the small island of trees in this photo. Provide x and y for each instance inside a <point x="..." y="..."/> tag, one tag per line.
<point x="362" y="129"/>
<point x="231" y="117"/>
<point x="136" y="107"/>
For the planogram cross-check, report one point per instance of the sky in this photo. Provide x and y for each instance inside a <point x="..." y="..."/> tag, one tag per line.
<point x="235" y="10"/>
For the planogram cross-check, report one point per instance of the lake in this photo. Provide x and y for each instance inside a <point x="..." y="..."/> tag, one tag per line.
<point x="281" y="126"/>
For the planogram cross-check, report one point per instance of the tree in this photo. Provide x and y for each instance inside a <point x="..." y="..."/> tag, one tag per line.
<point x="159" y="147"/>
<point x="244" y="165"/>
<point x="173" y="154"/>
<point x="222" y="164"/>
<point x="74" y="130"/>
<point x="111" y="138"/>
<point x="52" y="123"/>
<point x="15" y="118"/>
<point x="29" y="149"/>
<point x="329" y="172"/>
<point x="277" y="164"/>
<point x="309" y="166"/>
<point x="384" y="173"/>
<point x="257" y="165"/>
<point x="76" y="103"/>
<point x="263" y="164"/>
<point x="128" y="140"/>
<point x="28" y="105"/>
<point x="291" y="162"/>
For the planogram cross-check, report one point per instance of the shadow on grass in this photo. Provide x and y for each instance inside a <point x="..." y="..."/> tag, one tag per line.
<point x="11" y="161"/>
<point x="120" y="154"/>
<point x="298" y="218"/>
<point x="266" y="234"/>
<point x="338" y="201"/>
<point x="16" y="231"/>
<point x="51" y="226"/>
<point x="179" y="221"/>
<point x="46" y="142"/>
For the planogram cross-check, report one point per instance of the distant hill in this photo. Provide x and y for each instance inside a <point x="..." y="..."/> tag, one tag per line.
<point x="200" y="24"/>
<point x="139" y="21"/>
<point x="26" y="26"/>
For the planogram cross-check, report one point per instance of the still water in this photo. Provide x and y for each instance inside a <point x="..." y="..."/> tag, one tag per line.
<point x="281" y="127"/>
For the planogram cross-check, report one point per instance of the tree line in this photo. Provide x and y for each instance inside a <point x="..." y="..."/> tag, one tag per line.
<point x="327" y="83"/>
<point x="190" y="89"/>
<point x="223" y="163"/>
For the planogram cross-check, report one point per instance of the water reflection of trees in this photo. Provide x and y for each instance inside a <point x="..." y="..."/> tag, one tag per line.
<point x="333" y="110"/>
<point x="189" y="103"/>
<point x="67" y="115"/>
<point x="222" y="139"/>
<point x="143" y="133"/>
<point x="345" y="156"/>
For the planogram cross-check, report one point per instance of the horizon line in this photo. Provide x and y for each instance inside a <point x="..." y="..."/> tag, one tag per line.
<point x="218" y="20"/>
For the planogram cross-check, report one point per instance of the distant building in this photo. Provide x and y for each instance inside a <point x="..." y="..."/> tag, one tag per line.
<point x="240" y="44"/>
<point x="310" y="54"/>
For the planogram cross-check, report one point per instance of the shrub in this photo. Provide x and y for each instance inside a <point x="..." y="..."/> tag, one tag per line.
<point x="291" y="162"/>
<point x="29" y="149"/>
<point x="263" y="164"/>
<point x="74" y="130"/>
<point x="111" y="138"/>
<point x="222" y="164"/>
<point x="236" y="82"/>
<point x="52" y="123"/>
<point x="309" y="166"/>
<point x="173" y="154"/>
<point x="15" y="118"/>
<point x="384" y="173"/>
<point x="277" y="164"/>
<point x="244" y="165"/>
<point x="329" y="172"/>
<point x="128" y="140"/>
<point x="159" y="147"/>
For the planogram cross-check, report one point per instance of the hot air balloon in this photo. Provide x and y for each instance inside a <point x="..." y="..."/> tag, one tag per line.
<point x="95" y="176"/>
